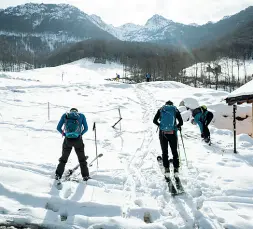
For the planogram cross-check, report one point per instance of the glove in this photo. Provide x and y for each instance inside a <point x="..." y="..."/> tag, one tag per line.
<point x="202" y="135"/>
<point x="179" y="127"/>
<point x="193" y="122"/>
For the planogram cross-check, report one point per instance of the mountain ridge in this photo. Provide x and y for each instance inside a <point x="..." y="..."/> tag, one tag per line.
<point x="43" y="28"/>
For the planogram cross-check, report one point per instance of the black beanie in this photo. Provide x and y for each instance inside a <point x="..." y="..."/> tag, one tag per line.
<point x="169" y="103"/>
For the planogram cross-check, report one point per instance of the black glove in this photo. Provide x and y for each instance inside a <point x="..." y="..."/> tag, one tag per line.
<point x="193" y="122"/>
<point x="202" y="135"/>
<point x="179" y="127"/>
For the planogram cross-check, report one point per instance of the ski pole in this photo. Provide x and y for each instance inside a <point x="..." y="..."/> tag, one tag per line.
<point x="179" y="153"/>
<point x="95" y="130"/>
<point x="183" y="147"/>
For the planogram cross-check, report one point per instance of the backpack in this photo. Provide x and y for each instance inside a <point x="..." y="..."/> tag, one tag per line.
<point x="168" y="118"/>
<point x="72" y="127"/>
<point x="196" y="111"/>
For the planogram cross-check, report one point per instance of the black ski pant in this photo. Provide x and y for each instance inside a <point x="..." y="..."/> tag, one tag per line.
<point x="67" y="145"/>
<point x="165" y="140"/>
<point x="206" y="132"/>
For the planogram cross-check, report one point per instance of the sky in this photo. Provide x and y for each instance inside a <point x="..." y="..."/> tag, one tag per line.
<point x="118" y="12"/>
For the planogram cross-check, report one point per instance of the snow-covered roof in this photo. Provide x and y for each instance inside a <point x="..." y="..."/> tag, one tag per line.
<point x="242" y="94"/>
<point x="246" y="89"/>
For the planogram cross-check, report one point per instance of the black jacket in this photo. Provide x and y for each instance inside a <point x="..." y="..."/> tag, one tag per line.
<point x="178" y="117"/>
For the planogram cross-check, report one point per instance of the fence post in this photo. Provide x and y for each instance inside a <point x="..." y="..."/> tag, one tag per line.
<point x="234" y="122"/>
<point x="118" y="120"/>
<point x="48" y="111"/>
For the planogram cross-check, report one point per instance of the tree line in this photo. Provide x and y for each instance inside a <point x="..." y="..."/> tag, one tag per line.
<point x="163" y="62"/>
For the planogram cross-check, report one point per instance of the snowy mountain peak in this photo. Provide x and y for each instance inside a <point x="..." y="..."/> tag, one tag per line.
<point x="158" y="21"/>
<point x="226" y="17"/>
<point x="29" y="8"/>
<point x="194" y="24"/>
<point x="55" y="10"/>
<point x="96" y="18"/>
<point x="130" y="26"/>
<point x="120" y="32"/>
<point x="100" y="23"/>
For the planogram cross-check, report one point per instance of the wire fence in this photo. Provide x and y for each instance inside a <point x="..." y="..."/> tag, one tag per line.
<point x="49" y="106"/>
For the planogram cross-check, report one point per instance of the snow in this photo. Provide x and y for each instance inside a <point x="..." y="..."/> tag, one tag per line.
<point x="155" y="28"/>
<point x="246" y="89"/>
<point x="127" y="183"/>
<point x="157" y="22"/>
<point x="124" y="32"/>
<point x="60" y="11"/>
<point x="228" y="66"/>
<point x="26" y="9"/>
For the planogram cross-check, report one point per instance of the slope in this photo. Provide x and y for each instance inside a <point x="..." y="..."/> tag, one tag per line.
<point x="127" y="182"/>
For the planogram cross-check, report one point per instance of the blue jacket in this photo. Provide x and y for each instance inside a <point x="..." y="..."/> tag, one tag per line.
<point x="200" y="119"/>
<point x="81" y="120"/>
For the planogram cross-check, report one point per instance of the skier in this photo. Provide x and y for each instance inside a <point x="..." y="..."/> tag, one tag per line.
<point x="148" y="77"/>
<point x="75" y="126"/>
<point x="202" y="117"/>
<point x="168" y="127"/>
<point x="117" y="77"/>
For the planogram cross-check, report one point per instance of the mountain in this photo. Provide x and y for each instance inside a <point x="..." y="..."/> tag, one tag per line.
<point x="39" y="29"/>
<point x="240" y="39"/>
<point x="156" y="29"/>
<point x="125" y="32"/>
<point x="161" y="30"/>
<point x="45" y="27"/>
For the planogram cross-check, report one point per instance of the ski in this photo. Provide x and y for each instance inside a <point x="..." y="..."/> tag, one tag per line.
<point x="91" y="163"/>
<point x="172" y="189"/>
<point x="71" y="171"/>
<point x="176" y="189"/>
<point x="68" y="174"/>
<point x="179" y="185"/>
<point x="58" y="184"/>
<point x="171" y="186"/>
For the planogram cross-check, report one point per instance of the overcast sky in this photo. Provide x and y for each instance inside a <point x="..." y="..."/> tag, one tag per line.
<point x="118" y="12"/>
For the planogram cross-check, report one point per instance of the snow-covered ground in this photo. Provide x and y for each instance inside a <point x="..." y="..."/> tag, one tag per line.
<point x="127" y="182"/>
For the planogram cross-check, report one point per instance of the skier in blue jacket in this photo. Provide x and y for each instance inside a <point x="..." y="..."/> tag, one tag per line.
<point x="168" y="116"/>
<point x="75" y="126"/>
<point x="202" y="117"/>
<point x="148" y="77"/>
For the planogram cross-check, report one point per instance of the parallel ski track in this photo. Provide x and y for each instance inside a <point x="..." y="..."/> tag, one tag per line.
<point x="183" y="206"/>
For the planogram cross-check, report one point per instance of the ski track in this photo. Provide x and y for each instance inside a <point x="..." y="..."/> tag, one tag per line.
<point x="186" y="206"/>
<point x="150" y="106"/>
<point x="133" y="169"/>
